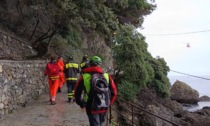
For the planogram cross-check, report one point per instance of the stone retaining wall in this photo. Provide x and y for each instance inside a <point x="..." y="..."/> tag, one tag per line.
<point x="20" y="82"/>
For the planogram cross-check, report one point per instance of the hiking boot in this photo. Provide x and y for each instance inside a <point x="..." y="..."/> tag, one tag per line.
<point x="74" y="100"/>
<point x="53" y="102"/>
<point x="59" y="89"/>
<point x="69" y="100"/>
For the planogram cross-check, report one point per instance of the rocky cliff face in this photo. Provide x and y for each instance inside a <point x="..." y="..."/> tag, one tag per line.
<point x="93" y="44"/>
<point x="13" y="48"/>
<point x="167" y="109"/>
<point x="149" y="102"/>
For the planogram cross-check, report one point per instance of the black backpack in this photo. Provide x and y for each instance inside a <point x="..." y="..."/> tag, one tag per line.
<point x="100" y="93"/>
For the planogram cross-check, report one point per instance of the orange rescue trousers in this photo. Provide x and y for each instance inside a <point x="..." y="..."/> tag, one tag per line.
<point x="61" y="79"/>
<point x="53" y="85"/>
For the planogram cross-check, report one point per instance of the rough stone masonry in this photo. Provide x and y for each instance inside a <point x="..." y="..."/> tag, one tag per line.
<point x="20" y="83"/>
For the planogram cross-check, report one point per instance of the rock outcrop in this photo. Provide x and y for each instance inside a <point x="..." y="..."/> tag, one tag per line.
<point x="166" y="108"/>
<point x="198" y="118"/>
<point x="204" y="98"/>
<point x="183" y="93"/>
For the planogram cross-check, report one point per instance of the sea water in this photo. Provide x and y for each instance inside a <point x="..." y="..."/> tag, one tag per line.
<point x="199" y="83"/>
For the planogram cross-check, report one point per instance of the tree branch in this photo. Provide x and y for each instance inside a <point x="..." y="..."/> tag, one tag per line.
<point x="37" y="22"/>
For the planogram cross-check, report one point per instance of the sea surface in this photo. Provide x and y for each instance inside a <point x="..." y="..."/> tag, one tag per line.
<point x="199" y="83"/>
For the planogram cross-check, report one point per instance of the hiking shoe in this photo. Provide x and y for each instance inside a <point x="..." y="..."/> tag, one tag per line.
<point x="53" y="102"/>
<point x="69" y="100"/>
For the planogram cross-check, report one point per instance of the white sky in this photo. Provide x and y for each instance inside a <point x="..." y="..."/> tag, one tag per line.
<point x="180" y="16"/>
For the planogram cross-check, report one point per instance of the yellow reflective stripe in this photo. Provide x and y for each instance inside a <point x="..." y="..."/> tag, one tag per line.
<point x="71" y="79"/>
<point x="74" y="65"/>
<point x="70" y="95"/>
<point x="54" y="77"/>
<point x="82" y="64"/>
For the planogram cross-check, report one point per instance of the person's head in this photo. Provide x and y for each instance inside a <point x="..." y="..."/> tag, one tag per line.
<point x="95" y="61"/>
<point x="52" y="59"/>
<point x="85" y="58"/>
<point x="70" y="58"/>
<point x="60" y="57"/>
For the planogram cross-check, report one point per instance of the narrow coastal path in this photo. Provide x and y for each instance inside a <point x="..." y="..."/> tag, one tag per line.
<point x="41" y="113"/>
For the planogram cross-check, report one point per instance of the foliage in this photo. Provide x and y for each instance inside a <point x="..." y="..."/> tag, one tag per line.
<point x="128" y="90"/>
<point x="131" y="11"/>
<point x="72" y="34"/>
<point x="135" y="66"/>
<point x="160" y="81"/>
<point x="41" y="20"/>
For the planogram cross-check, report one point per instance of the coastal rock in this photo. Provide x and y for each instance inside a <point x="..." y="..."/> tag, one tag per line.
<point x="204" y="111"/>
<point x="204" y="98"/>
<point x="183" y="93"/>
<point x="199" y="118"/>
<point x="167" y="109"/>
<point x="163" y="107"/>
<point x="174" y="106"/>
<point x="150" y="120"/>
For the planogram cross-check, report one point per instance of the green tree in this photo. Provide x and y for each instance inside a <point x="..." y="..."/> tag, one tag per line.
<point x="41" y="21"/>
<point x="135" y="67"/>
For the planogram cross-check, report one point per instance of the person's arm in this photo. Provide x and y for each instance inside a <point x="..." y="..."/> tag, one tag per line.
<point x="65" y="70"/>
<point x="113" y="90"/>
<point x="79" y="87"/>
<point x="78" y="69"/>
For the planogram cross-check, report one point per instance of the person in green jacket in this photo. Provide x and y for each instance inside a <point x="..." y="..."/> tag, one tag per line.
<point x="96" y="116"/>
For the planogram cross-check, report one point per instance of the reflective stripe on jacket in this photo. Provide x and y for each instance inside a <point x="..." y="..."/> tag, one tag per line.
<point x="54" y="77"/>
<point x="71" y="78"/>
<point x="72" y="65"/>
<point x="84" y="64"/>
<point x="71" y="71"/>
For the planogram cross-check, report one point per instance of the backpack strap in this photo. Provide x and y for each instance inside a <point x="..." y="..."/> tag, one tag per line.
<point x="87" y="79"/>
<point x="106" y="75"/>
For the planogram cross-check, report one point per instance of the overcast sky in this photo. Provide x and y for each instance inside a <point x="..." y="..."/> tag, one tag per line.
<point x="174" y="24"/>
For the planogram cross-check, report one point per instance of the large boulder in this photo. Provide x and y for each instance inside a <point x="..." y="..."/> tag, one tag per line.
<point x="183" y="93"/>
<point x="204" y="98"/>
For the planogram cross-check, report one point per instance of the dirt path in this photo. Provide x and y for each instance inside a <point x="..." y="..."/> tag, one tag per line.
<point x="41" y="113"/>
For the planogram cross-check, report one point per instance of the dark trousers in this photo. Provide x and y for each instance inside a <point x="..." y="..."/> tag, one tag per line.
<point x="70" y="88"/>
<point x="97" y="119"/>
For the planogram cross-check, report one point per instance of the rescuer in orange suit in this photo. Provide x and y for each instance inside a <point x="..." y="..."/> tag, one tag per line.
<point x="52" y="70"/>
<point x="61" y="73"/>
